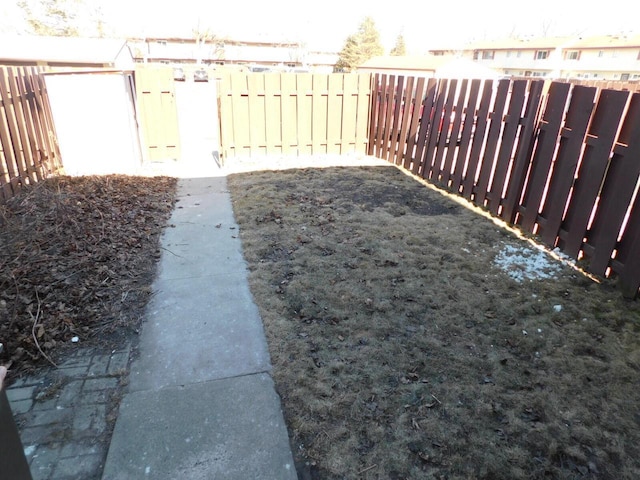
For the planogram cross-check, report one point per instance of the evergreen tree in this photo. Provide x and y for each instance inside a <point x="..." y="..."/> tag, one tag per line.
<point x="400" y="49"/>
<point x="360" y="47"/>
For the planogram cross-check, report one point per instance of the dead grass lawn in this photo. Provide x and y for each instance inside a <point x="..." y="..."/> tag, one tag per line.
<point x="401" y="350"/>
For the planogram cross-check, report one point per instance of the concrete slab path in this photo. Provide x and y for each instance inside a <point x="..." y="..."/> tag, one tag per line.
<point x="201" y="402"/>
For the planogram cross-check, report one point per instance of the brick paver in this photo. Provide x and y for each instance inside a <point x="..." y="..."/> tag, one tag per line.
<point x="65" y="415"/>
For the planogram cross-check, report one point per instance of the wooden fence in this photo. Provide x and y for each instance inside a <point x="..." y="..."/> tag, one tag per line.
<point x="556" y="159"/>
<point x="28" y="145"/>
<point x="273" y="113"/>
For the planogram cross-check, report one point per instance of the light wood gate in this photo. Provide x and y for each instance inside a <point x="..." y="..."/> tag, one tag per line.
<point x="157" y="113"/>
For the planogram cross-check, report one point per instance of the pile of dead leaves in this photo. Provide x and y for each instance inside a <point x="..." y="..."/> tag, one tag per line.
<point x="77" y="257"/>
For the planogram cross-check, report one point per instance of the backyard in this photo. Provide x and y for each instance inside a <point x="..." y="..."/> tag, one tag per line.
<point x="414" y="338"/>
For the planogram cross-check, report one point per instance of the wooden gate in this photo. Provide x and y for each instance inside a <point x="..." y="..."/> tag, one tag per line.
<point x="157" y="113"/>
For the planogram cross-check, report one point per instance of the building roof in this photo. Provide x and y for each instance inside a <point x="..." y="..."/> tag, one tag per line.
<point x="428" y="63"/>
<point x="465" y="68"/>
<point x="61" y="50"/>
<point x="607" y="41"/>
<point x="520" y="43"/>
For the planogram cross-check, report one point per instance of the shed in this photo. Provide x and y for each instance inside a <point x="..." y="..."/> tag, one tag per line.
<point x="410" y="65"/>
<point x="65" y="52"/>
<point x="441" y="66"/>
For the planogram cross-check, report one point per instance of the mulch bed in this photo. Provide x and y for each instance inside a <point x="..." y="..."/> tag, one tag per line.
<point x="77" y="258"/>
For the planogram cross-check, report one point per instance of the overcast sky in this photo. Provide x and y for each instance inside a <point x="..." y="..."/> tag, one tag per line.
<point x="326" y="24"/>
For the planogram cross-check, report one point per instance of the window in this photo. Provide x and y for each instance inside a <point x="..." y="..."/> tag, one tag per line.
<point x="518" y="54"/>
<point x="508" y="53"/>
<point x="573" y="55"/>
<point x="624" y="77"/>
<point x="600" y="54"/>
<point x="541" y="54"/>
<point x="488" y="55"/>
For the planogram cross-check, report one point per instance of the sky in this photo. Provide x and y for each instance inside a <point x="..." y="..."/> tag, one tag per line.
<point x="324" y="25"/>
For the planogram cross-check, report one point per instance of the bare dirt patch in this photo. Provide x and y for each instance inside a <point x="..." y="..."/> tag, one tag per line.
<point x="77" y="258"/>
<point x="401" y="349"/>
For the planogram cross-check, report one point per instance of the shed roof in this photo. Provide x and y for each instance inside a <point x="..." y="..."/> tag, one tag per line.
<point x="427" y="63"/>
<point x="61" y="50"/>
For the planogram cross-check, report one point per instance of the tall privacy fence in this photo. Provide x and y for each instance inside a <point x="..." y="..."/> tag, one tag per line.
<point x="28" y="145"/>
<point x="559" y="160"/>
<point x="556" y="159"/>
<point x="287" y="113"/>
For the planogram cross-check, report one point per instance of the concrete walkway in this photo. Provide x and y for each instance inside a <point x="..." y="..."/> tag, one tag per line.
<point x="201" y="402"/>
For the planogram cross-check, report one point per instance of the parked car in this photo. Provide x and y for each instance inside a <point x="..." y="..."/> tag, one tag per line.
<point x="178" y="74"/>
<point x="200" y="75"/>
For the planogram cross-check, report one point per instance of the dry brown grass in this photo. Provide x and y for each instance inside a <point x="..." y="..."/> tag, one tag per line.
<point x="399" y="347"/>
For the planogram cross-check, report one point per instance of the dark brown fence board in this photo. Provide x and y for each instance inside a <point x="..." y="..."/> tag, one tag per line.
<point x="512" y="123"/>
<point x="444" y="126"/>
<point x="12" y="122"/>
<point x="388" y="119"/>
<point x="617" y="190"/>
<point x="595" y="159"/>
<point x="400" y="143"/>
<point x="517" y="176"/>
<point x="435" y="129"/>
<point x="469" y="113"/>
<point x="392" y="138"/>
<point x="454" y="135"/>
<point x="39" y="138"/>
<point x="629" y="253"/>
<point x="572" y="136"/>
<point x="382" y="112"/>
<point x="549" y="130"/>
<point x="493" y="138"/>
<point x="481" y="122"/>
<point x="425" y="126"/>
<point x="23" y="128"/>
<point x="630" y="276"/>
<point x="23" y="115"/>
<point x="10" y="160"/>
<point x="415" y="122"/>
<point x="376" y="101"/>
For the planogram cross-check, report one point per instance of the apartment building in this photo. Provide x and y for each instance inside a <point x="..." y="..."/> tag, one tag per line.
<point x="610" y="57"/>
<point x="250" y="53"/>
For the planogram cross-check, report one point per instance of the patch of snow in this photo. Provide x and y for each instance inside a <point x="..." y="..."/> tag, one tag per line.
<point x="524" y="263"/>
<point x="557" y="308"/>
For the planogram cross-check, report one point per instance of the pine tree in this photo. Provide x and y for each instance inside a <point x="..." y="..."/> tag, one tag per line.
<point x="360" y="47"/>
<point x="400" y="49"/>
